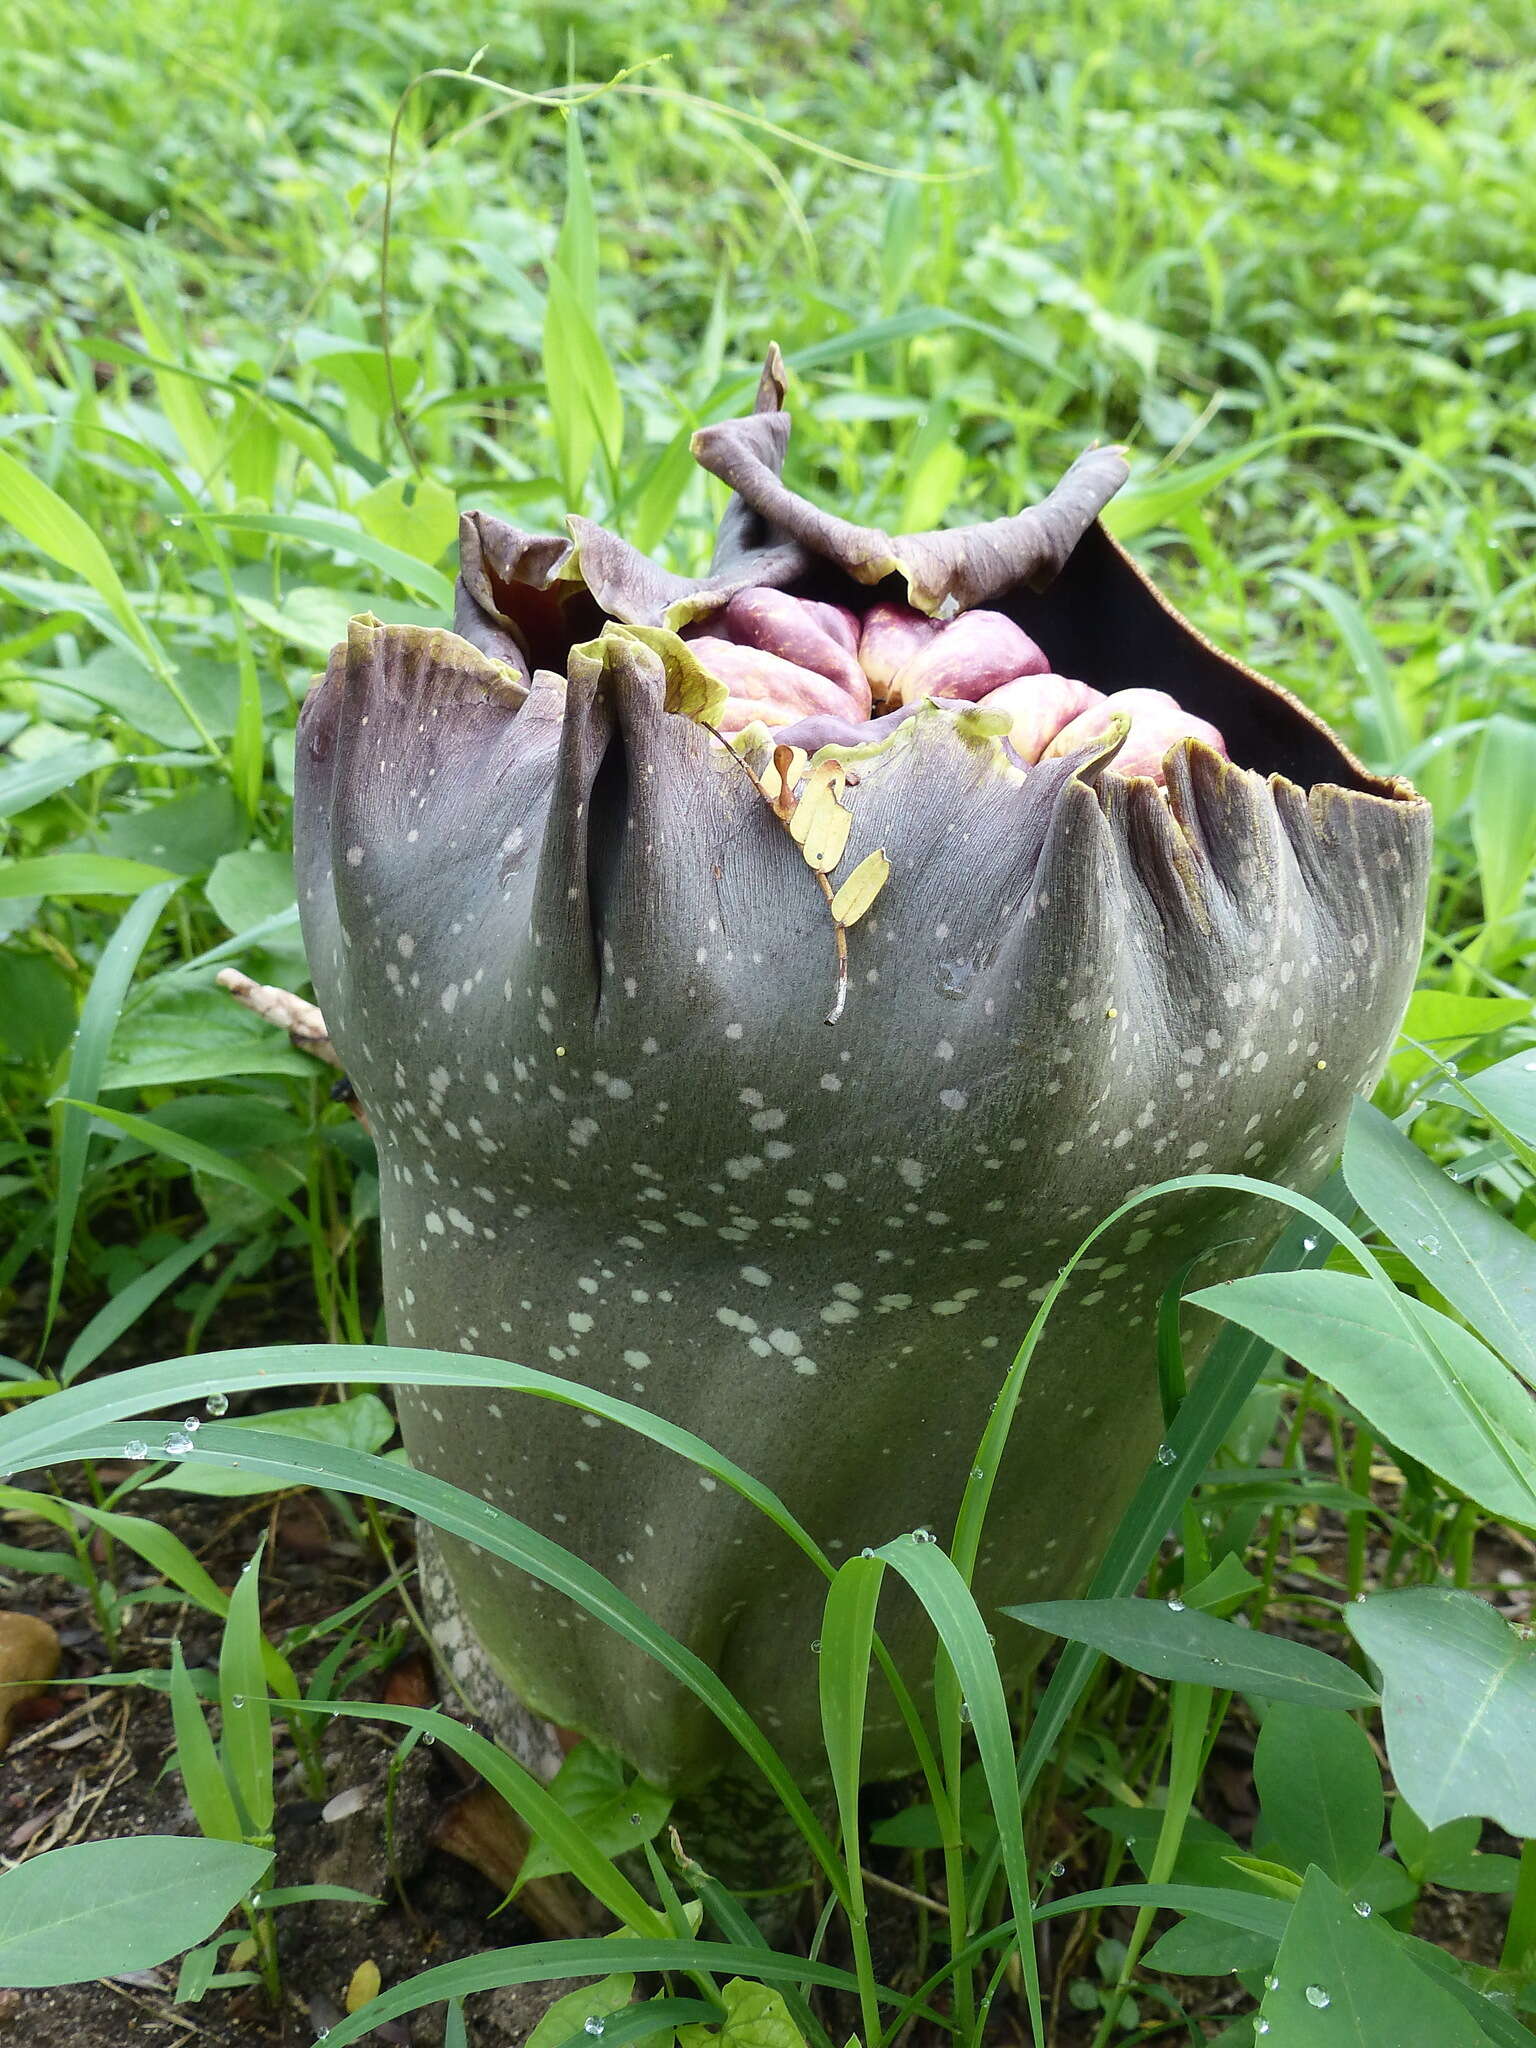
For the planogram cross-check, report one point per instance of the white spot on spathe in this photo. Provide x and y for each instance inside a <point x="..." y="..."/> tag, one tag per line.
<point x="768" y="1120"/>
<point x="839" y="1312"/>
<point x="912" y="1171"/>
<point x="756" y="1277"/>
<point x="354" y="856"/>
<point x="405" y="945"/>
<point x="449" y="997"/>
<point x="579" y="1322"/>
<point x="637" y="1360"/>
<point x="953" y="1098"/>
<point x="943" y="1050"/>
<point x="786" y="1341"/>
<point x="831" y="1082"/>
<point x="434" y="1223"/>
<point x="734" y="1030"/>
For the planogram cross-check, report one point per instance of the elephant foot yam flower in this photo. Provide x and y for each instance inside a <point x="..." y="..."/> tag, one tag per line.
<point x="569" y="878"/>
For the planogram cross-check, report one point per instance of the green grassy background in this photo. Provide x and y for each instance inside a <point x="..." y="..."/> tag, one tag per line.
<point x="1277" y="252"/>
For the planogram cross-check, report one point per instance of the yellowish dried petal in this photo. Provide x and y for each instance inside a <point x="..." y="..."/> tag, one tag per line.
<point x="365" y="1985"/>
<point x="860" y="886"/>
<point x="820" y="825"/>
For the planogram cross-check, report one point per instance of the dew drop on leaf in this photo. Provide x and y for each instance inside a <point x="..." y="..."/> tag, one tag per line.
<point x="217" y="1404"/>
<point x="1429" y="1246"/>
<point x="1309" y="1244"/>
<point x="592" y="2024"/>
<point x="1167" y="1455"/>
<point x="192" y="1425"/>
<point x="1363" y="1908"/>
<point x="177" y="1444"/>
<point x="136" y="1448"/>
<point x="1317" y="1996"/>
<point x="1175" y="1606"/>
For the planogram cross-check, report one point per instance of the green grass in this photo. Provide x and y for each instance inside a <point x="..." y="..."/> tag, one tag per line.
<point x="1283" y="255"/>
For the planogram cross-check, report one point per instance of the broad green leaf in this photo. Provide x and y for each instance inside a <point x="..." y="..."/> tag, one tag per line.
<point x="1320" y="1789"/>
<point x="57" y="530"/>
<point x="98" y="1020"/>
<point x="202" y="1774"/>
<point x="1507" y="1093"/>
<point x="201" y="1158"/>
<point x="384" y="517"/>
<point x="1480" y="1262"/>
<point x="362" y="1423"/>
<point x="29" y="782"/>
<point x="37" y="1007"/>
<point x="1458" y="1705"/>
<point x="313" y="617"/>
<point x="79" y="874"/>
<point x="755" y="2017"/>
<point x="585" y="405"/>
<point x="538" y="1962"/>
<point x="618" y="1810"/>
<point x="1180" y="1642"/>
<point x="1445" y="1400"/>
<point x="569" y="2015"/>
<point x="245" y="1705"/>
<point x="1341" y="1981"/>
<point x="1503" y="815"/>
<point x="99" y="1909"/>
<point x="417" y="518"/>
<point x="1198" y="1947"/>
<point x="175" y="1033"/>
<point x="1443" y="1019"/>
<point x="251" y="886"/>
<point x="185" y="834"/>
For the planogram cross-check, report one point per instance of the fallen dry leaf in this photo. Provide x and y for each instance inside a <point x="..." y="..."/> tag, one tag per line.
<point x="365" y="1985"/>
<point x="29" y="1657"/>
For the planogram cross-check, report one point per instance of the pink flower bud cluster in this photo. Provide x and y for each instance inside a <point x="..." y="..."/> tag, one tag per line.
<point x="786" y="659"/>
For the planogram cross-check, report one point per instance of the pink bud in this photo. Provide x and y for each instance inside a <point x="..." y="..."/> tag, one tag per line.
<point x="889" y="637"/>
<point x="764" y="685"/>
<point x="977" y="653"/>
<point x="1158" y="723"/>
<point x="788" y="627"/>
<point x="1039" y="707"/>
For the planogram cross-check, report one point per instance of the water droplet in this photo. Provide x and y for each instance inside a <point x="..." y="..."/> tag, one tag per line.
<point x="1167" y="1455"/>
<point x="177" y="1444"/>
<point x="192" y="1424"/>
<point x="217" y="1404"/>
<point x="954" y="978"/>
<point x="1175" y="1606"/>
<point x="1058" y="1870"/>
<point x="1453" y="1070"/>
<point x="430" y="1741"/>
<point x="1363" y="1908"/>
<point x="1429" y="1246"/>
<point x="174" y="520"/>
<point x="1271" y="1983"/>
<point x="1309" y="1244"/>
<point x="1317" y="1996"/>
<point x="135" y="1448"/>
<point x="237" y="1701"/>
<point x="965" y="1710"/>
<point x="866" y="1551"/>
<point x="592" y="2024"/>
<point x="816" y="1647"/>
<point x="634" y="1820"/>
<point x="1261" y="2026"/>
<point x="924" y="1536"/>
<point x="978" y="1471"/>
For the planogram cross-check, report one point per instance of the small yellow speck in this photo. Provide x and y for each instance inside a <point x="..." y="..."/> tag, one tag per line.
<point x="1111" y="1011"/>
<point x="1321" y="1065"/>
<point x="559" y="1052"/>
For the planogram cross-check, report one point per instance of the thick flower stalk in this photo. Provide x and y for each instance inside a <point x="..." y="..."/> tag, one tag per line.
<point x="583" y="880"/>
